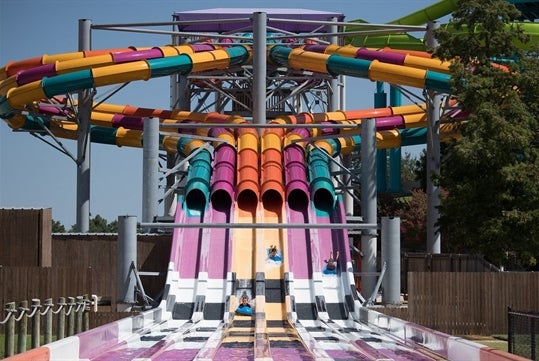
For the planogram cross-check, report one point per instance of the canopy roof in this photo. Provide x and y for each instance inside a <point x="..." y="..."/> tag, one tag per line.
<point x="206" y="19"/>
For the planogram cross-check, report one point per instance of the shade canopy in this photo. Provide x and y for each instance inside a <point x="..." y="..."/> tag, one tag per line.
<point x="205" y="20"/>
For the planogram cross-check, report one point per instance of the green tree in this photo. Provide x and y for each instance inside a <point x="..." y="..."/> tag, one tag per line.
<point x="412" y="211"/>
<point x="490" y="174"/>
<point x="409" y="167"/>
<point x="99" y="224"/>
<point x="57" y="227"/>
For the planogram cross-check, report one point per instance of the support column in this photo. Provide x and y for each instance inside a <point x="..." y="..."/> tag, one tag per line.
<point x="334" y="101"/>
<point x="150" y="169"/>
<point x="180" y="98"/>
<point x="85" y="99"/>
<point x="391" y="256"/>
<point x="127" y="255"/>
<point x="368" y="205"/>
<point x="434" y="99"/>
<point x="259" y="67"/>
<point x="395" y="154"/>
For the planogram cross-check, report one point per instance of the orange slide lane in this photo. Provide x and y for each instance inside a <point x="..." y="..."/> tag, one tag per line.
<point x="242" y="328"/>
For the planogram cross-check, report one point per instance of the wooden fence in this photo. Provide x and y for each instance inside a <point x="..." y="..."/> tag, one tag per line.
<point x="468" y="303"/>
<point x="442" y="262"/>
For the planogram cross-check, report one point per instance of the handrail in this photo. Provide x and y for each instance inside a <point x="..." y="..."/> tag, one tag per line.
<point x="77" y="306"/>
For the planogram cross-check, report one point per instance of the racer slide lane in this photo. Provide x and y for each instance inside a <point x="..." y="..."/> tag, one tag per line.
<point x="283" y="339"/>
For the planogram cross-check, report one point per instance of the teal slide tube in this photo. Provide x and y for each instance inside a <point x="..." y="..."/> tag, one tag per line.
<point x="413" y="136"/>
<point x="35" y="123"/>
<point x="279" y="55"/>
<point x="341" y="65"/>
<point x="103" y="135"/>
<point x="238" y="55"/>
<point x="6" y="110"/>
<point x="197" y="188"/>
<point x="321" y="186"/>
<point x="65" y="83"/>
<point x="167" y="66"/>
<point x="438" y="81"/>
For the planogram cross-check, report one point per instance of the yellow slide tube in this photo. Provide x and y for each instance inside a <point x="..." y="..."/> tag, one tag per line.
<point x="121" y="73"/>
<point x="68" y="66"/>
<point x="128" y="137"/>
<point x="308" y="60"/>
<point x="209" y="60"/>
<point x="25" y="94"/>
<point x="396" y="74"/>
<point x="427" y="64"/>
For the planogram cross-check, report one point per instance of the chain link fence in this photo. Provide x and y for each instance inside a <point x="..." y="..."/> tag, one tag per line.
<point x="522" y="333"/>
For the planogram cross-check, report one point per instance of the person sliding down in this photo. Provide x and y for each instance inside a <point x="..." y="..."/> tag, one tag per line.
<point x="273" y="254"/>
<point x="331" y="266"/>
<point x="244" y="308"/>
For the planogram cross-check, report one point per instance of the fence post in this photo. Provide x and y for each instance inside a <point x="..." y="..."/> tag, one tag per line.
<point x="86" y="314"/>
<point x="36" y="323"/>
<point x="61" y="318"/>
<point x="71" y="316"/>
<point x="47" y="337"/>
<point x="10" y="330"/>
<point x="533" y="344"/>
<point x="23" y="327"/>
<point x="80" y="311"/>
<point x="510" y="333"/>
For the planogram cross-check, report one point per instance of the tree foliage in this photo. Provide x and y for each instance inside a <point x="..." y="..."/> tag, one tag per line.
<point x="97" y="224"/>
<point x="490" y="174"/>
<point x="57" y="227"/>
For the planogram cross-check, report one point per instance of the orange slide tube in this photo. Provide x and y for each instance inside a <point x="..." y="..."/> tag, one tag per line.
<point x="248" y="189"/>
<point x="271" y="178"/>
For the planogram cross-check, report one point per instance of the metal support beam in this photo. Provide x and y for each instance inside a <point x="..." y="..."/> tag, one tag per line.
<point x="150" y="169"/>
<point x="433" y="158"/>
<point x="373" y="226"/>
<point x="259" y="67"/>
<point x="83" y="138"/>
<point x="368" y="203"/>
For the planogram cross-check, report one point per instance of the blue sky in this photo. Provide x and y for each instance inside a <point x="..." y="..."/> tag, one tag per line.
<point x="35" y="175"/>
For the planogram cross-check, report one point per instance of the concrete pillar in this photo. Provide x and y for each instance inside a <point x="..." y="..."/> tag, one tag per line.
<point x="127" y="255"/>
<point x="150" y="169"/>
<point x="368" y="205"/>
<point x="391" y="256"/>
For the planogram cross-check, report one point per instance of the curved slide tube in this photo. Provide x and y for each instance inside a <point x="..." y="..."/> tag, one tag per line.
<point x="433" y="12"/>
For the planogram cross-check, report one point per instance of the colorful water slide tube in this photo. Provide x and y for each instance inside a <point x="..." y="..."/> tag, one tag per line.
<point x="391" y="68"/>
<point x="127" y="121"/>
<point x="53" y="79"/>
<point x="434" y="12"/>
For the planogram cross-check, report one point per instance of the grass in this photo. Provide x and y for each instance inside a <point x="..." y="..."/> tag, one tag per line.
<point x="28" y="343"/>
<point x="495" y="341"/>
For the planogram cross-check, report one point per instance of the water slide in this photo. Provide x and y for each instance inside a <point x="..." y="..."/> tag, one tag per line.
<point x="274" y="177"/>
<point x="122" y="125"/>
<point x="434" y="12"/>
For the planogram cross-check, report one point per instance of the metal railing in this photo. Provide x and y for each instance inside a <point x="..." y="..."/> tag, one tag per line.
<point x="522" y="335"/>
<point x="72" y="317"/>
